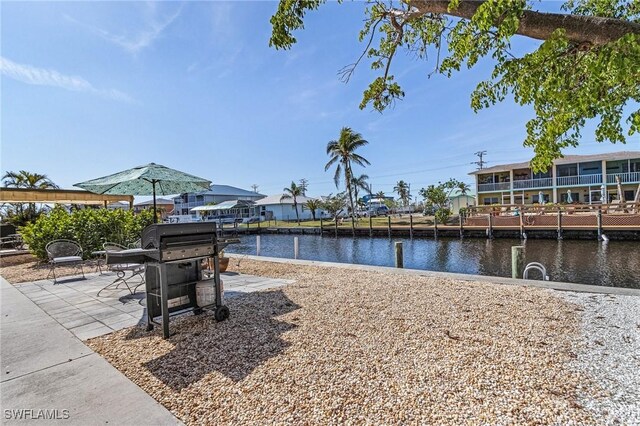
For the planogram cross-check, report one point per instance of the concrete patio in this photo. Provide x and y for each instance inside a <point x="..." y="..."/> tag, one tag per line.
<point x="49" y="374"/>
<point x="74" y="303"/>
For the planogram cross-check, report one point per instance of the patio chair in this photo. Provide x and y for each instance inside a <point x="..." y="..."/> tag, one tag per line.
<point x="63" y="253"/>
<point x="121" y="269"/>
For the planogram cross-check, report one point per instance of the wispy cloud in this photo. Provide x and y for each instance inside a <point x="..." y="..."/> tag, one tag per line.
<point x="48" y="77"/>
<point x="155" y="24"/>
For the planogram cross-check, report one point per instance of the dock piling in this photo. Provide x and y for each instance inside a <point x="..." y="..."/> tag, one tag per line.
<point x="517" y="261"/>
<point x="389" y="225"/>
<point x="257" y="245"/>
<point x="296" y="248"/>
<point x="411" y="226"/>
<point x="399" y="258"/>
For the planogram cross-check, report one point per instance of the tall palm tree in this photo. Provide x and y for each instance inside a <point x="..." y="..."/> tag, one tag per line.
<point x="402" y="189"/>
<point x="313" y="205"/>
<point x="359" y="182"/>
<point x="380" y="194"/>
<point x="463" y="188"/>
<point x="293" y="191"/>
<point x="342" y="152"/>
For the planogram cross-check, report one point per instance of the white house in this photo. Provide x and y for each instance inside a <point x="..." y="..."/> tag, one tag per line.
<point x="280" y="208"/>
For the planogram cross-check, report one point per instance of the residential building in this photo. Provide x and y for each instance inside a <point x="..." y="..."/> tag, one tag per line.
<point x="163" y="206"/>
<point x="184" y="203"/>
<point x="280" y="207"/>
<point x="459" y="201"/>
<point x="575" y="178"/>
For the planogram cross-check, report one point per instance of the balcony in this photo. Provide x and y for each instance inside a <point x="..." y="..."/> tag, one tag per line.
<point x="632" y="177"/>
<point x="532" y="183"/>
<point x="491" y="187"/>
<point x="580" y="180"/>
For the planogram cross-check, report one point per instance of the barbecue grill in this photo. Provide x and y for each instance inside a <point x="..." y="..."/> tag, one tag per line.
<point x="173" y="253"/>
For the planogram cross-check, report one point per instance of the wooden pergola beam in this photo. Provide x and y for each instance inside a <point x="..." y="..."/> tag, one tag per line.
<point x="59" y="196"/>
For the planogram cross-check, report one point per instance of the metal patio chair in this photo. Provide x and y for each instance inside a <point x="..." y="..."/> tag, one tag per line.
<point x="63" y="253"/>
<point x="121" y="269"/>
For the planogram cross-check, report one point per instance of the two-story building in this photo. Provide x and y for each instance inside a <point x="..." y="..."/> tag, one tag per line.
<point x="573" y="179"/>
<point x="184" y="203"/>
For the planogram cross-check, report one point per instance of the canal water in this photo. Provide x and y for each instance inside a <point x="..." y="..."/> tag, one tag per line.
<point x="615" y="263"/>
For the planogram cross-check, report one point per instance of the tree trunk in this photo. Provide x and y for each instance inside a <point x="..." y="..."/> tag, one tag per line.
<point x="295" y="206"/>
<point x="347" y="172"/>
<point x="593" y="30"/>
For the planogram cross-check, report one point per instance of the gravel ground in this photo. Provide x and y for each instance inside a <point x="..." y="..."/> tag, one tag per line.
<point x="609" y="352"/>
<point x="26" y="268"/>
<point x="358" y="347"/>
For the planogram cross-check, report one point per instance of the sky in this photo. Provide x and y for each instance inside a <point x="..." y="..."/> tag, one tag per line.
<point x="93" y="88"/>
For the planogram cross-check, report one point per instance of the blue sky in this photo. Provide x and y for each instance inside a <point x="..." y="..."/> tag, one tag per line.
<point x="92" y="88"/>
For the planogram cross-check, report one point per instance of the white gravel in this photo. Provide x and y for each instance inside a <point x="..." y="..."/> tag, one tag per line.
<point x="608" y="350"/>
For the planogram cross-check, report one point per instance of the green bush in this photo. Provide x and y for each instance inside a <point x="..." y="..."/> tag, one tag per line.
<point x="442" y="215"/>
<point x="88" y="227"/>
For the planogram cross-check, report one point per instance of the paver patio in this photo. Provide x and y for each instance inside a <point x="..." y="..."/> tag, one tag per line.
<point x="74" y="303"/>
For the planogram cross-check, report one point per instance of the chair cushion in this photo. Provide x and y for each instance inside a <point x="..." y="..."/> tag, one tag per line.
<point x="66" y="259"/>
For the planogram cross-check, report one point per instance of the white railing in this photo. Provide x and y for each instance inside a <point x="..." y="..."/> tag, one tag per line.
<point x="579" y="180"/>
<point x="532" y="183"/>
<point x="631" y="177"/>
<point x="489" y="187"/>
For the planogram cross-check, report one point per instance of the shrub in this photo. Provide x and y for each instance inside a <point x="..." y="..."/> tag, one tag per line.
<point x="89" y="227"/>
<point x="442" y="215"/>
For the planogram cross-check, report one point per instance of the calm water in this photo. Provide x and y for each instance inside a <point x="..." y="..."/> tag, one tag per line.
<point x="616" y="263"/>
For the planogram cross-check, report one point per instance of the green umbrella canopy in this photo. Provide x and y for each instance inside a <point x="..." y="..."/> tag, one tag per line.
<point x="150" y="179"/>
<point x="142" y="180"/>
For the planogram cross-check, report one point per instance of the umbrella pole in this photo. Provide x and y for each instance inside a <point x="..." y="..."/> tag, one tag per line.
<point x="155" y="213"/>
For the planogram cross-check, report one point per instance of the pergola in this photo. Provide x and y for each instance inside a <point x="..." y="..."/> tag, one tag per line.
<point x="60" y="196"/>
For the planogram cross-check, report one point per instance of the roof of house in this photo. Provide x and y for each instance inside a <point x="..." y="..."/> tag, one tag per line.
<point x="568" y="159"/>
<point x="228" y="191"/>
<point x="150" y="202"/>
<point x="278" y="199"/>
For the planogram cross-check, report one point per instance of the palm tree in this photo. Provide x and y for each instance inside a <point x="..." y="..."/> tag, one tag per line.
<point x="293" y="191"/>
<point x="463" y="188"/>
<point x="313" y="205"/>
<point x="342" y="152"/>
<point x="27" y="180"/>
<point x="402" y="189"/>
<point x="359" y="182"/>
<point x="380" y="194"/>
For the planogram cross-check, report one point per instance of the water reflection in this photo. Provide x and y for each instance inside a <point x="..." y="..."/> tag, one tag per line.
<point x="616" y="263"/>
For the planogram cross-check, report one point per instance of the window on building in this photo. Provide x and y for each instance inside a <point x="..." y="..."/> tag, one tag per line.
<point x="536" y="199"/>
<point x="490" y="200"/>
<point x="629" y="195"/>
<point x="575" y="197"/>
<point x="567" y="170"/>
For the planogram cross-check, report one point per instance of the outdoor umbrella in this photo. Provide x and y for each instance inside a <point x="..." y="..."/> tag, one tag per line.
<point x="540" y="198"/>
<point x="569" y="198"/>
<point x="150" y="179"/>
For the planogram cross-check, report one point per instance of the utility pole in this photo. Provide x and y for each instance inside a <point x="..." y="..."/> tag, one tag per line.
<point x="254" y="187"/>
<point x="480" y="163"/>
<point x="304" y="184"/>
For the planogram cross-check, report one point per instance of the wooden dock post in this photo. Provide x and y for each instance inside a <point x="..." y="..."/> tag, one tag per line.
<point x="559" y="224"/>
<point x="490" y="228"/>
<point x="399" y="257"/>
<point x="336" y="226"/>
<point x="370" y="227"/>
<point x="599" y="217"/>
<point x="517" y="261"/>
<point x="257" y="245"/>
<point x="389" y="225"/>
<point x="461" y="219"/>
<point x="296" y="248"/>
<point x="321" y="233"/>
<point x="435" y="227"/>
<point x="411" y="226"/>
<point x="521" y="223"/>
